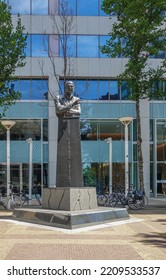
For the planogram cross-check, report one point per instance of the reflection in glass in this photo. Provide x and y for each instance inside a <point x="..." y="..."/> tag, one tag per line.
<point x="87" y="8"/>
<point x="22" y="130"/>
<point x="161" y="178"/>
<point x="125" y="92"/>
<point x="39" y="89"/>
<point x="35" y="89"/>
<point x="67" y="7"/>
<point x="92" y="90"/>
<point x="161" y="140"/>
<point x="114" y="90"/>
<point x="40" y="45"/>
<point x="45" y="130"/>
<point x="112" y="128"/>
<point x="103" y="90"/>
<point x="103" y="42"/>
<point x="20" y="6"/>
<point x="101" y="12"/>
<point x="159" y="87"/>
<point x="67" y="45"/>
<point x="87" y="46"/>
<point x="99" y="89"/>
<point x="40" y="7"/>
<point x="28" y="46"/>
<point x="97" y="175"/>
<point x="80" y="89"/>
<point x="88" y="130"/>
<point x="101" y="130"/>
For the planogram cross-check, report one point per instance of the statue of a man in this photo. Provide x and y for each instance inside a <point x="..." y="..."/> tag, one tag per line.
<point x="68" y="105"/>
<point x="69" y="163"/>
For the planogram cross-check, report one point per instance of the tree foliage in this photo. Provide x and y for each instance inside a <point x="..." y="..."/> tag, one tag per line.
<point x="12" y="55"/>
<point x="138" y="35"/>
<point x="140" y="25"/>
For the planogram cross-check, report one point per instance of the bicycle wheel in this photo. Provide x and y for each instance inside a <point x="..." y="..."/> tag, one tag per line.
<point x="15" y="201"/>
<point x="101" y="199"/>
<point x="112" y="200"/>
<point x="4" y="203"/>
<point x="145" y="201"/>
<point x="123" y="199"/>
<point x="134" y="204"/>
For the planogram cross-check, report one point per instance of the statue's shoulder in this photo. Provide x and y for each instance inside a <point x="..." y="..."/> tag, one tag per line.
<point x="76" y="98"/>
<point x="59" y="98"/>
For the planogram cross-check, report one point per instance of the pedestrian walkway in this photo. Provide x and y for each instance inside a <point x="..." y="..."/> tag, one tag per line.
<point x="141" y="238"/>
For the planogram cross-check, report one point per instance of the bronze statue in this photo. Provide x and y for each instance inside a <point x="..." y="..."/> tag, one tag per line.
<point x="68" y="105"/>
<point x="69" y="163"/>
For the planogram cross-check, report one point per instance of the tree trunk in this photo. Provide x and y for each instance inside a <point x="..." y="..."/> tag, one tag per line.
<point x="139" y="147"/>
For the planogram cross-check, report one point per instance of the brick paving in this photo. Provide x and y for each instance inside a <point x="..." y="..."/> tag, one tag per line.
<point x="143" y="238"/>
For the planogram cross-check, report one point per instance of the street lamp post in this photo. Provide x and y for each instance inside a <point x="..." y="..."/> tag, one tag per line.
<point x="109" y="141"/>
<point x="8" y="125"/>
<point x="126" y="121"/>
<point x="29" y="141"/>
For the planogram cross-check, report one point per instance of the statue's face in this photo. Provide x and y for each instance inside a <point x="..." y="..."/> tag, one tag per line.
<point x="69" y="89"/>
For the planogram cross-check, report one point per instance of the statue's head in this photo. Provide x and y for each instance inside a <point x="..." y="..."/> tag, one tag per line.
<point x="69" y="87"/>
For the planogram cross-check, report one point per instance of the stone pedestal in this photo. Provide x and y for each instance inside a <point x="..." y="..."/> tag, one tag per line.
<point x="69" y="199"/>
<point x="70" y="219"/>
<point x="69" y="163"/>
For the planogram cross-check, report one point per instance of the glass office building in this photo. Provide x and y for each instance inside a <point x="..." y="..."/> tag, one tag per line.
<point x="103" y="100"/>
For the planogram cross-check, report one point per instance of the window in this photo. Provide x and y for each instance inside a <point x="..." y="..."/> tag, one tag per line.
<point x="104" y="90"/>
<point x="103" y="42"/>
<point x="159" y="90"/>
<point x="67" y="45"/>
<point x="39" y="7"/>
<point x="101" y="12"/>
<point x="101" y="130"/>
<point x="125" y="92"/>
<point x="80" y="89"/>
<point x="87" y="46"/>
<point x="92" y="90"/>
<point x="29" y="6"/>
<point x="99" y="89"/>
<point x="37" y="45"/>
<point x="114" y="90"/>
<point x="87" y="8"/>
<point x="39" y="89"/>
<point x="35" y="89"/>
<point x="20" y="6"/>
<point x="22" y="130"/>
<point x="45" y="130"/>
<point x="28" y="46"/>
<point x="67" y="7"/>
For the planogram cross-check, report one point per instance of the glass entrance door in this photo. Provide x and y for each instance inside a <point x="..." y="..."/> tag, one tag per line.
<point x="161" y="156"/>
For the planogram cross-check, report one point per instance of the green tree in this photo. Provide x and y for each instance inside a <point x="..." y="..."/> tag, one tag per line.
<point x="140" y="24"/>
<point x="12" y="55"/>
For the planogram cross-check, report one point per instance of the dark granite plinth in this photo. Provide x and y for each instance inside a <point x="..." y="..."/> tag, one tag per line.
<point x="69" y="163"/>
<point x="70" y="219"/>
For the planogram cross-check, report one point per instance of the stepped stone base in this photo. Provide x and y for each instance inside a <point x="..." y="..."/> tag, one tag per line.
<point x="69" y="199"/>
<point x="69" y="208"/>
<point x="70" y="219"/>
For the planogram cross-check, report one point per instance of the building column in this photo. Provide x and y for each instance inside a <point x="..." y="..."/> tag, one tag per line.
<point x="52" y="134"/>
<point x="145" y="131"/>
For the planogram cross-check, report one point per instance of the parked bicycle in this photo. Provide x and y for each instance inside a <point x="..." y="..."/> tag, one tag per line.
<point x="10" y="201"/>
<point x="106" y="199"/>
<point x="135" y="199"/>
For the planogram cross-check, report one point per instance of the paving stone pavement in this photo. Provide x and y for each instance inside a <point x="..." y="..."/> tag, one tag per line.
<point x="141" y="238"/>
